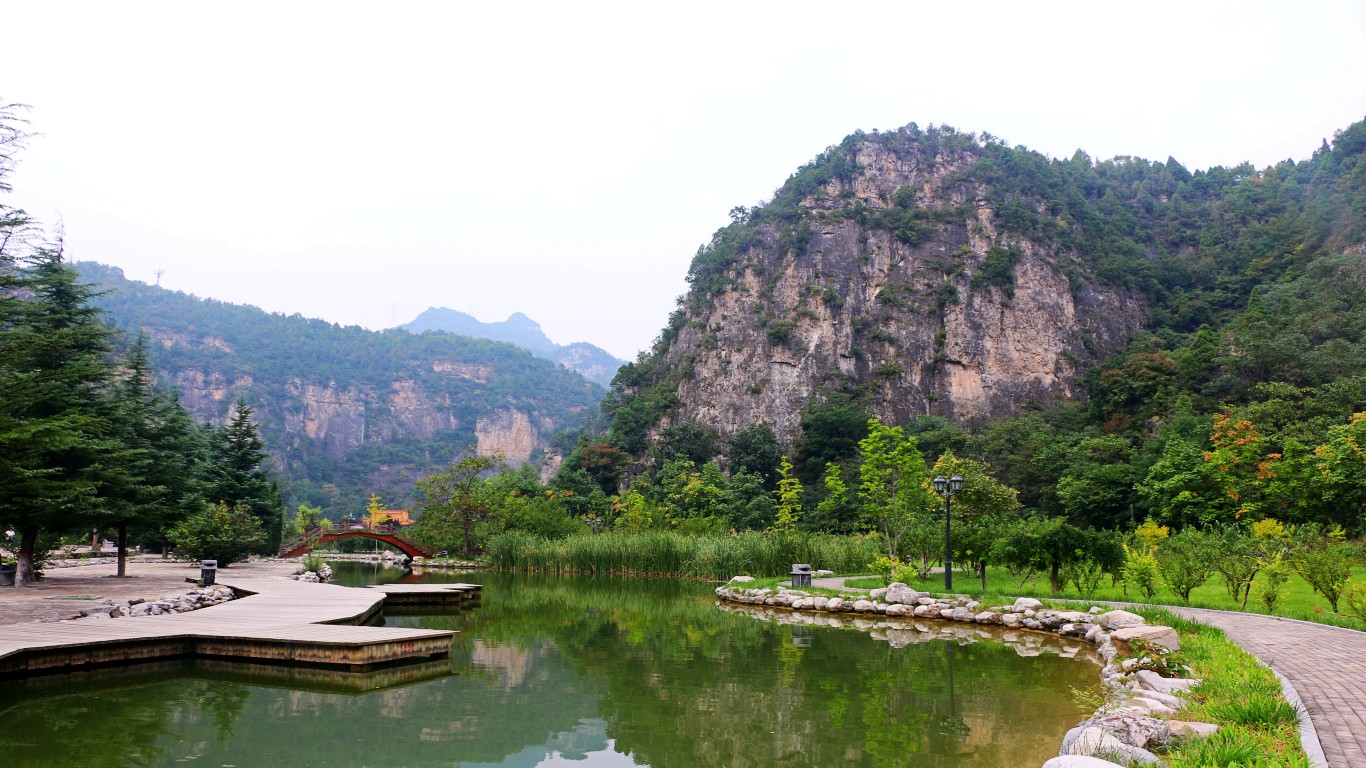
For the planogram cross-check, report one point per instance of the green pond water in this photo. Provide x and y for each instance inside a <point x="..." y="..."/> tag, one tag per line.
<point x="602" y="673"/>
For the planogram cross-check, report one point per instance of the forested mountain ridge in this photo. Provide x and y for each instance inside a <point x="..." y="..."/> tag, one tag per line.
<point x="347" y="412"/>
<point x="931" y="273"/>
<point x="592" y="362"/>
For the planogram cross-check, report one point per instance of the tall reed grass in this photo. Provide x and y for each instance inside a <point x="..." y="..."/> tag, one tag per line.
<point x="667" y="553"/>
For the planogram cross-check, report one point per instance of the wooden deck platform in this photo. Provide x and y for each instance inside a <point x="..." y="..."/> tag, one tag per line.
<point x="429" y="594"/>
<point x="279" y="620"/>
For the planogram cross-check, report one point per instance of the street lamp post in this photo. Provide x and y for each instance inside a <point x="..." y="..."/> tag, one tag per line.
<point x="947" y="488"/>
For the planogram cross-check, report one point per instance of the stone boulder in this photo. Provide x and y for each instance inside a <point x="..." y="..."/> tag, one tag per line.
<point x="1183" y="730"/>
<point x="1168" y="685"/>
<point x="1113" y="620"/>
<point x="1026" y="604"/>
<point x="1157" y="636"/>
<point x="901" y="594"/>
<point x="1079" y="761"/>
<point x="1093" y="739"/>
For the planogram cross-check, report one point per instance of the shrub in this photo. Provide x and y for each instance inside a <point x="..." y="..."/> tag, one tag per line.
<point x="1324" y="560"/>
<point x="1140" y="570"/>
<point x="1354" y="600"/>
<point x="1185" y="562"/>
<point x="1085" y="575"/>
<point x="218" y="533"/>
<point x="1275" y="574"/>
<point x="885" y="567"/>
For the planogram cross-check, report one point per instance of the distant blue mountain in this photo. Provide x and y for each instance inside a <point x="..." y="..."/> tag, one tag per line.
<point x="589" y="361"/>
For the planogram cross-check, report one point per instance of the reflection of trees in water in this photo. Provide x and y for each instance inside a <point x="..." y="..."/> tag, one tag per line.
<point x="115" y="722"/>
<point x="688" y="684"/>
<point x="654" y="666"/>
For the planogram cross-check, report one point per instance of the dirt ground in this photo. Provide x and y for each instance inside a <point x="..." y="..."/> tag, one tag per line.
<point x="65" y="591"/>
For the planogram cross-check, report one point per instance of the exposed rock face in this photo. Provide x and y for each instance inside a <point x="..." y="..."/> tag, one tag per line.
<point x="509" y="433"/>
<point x="954" y="316"/>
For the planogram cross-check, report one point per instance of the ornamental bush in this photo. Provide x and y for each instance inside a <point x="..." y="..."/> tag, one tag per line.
<point x="218" y="533"/>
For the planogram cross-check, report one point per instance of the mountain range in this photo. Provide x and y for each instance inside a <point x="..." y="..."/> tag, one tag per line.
<point x="347" y="412"/>
<point x="592" y="362"/>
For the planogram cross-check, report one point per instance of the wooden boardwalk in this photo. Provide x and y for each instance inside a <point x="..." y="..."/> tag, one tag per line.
<point x="279" y="620"/>
<point x="429" y="594"/>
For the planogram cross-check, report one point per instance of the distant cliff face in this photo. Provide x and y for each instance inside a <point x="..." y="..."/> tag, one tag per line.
<point x="888" y="270"/>
<point x="345" y="411"/>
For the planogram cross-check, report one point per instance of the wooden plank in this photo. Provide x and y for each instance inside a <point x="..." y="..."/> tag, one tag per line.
<point x="280" y="620"/>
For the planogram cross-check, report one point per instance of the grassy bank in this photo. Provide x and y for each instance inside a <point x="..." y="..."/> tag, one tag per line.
<point x="1298" y="600"/>
<point x="1258" y="728"/>
<point x="665" y="553"/>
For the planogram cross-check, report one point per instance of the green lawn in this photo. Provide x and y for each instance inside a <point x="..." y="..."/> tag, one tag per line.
<point x="1298" y="600"/>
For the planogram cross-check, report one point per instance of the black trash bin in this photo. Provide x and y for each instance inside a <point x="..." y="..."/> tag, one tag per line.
<point x="801" y="575"/>
<point x="208" y="572"/>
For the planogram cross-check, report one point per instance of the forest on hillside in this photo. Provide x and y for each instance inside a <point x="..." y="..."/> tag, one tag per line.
<point x="267" y="358"/>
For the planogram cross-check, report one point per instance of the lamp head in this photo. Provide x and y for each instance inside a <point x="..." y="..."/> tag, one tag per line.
<point x="956" y="483"/>
<point x="939" y="483"/>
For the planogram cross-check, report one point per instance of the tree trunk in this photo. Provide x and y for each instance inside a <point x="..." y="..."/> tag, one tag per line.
<point x="982" y="571"/>
<point x="1055" y="577"/>
<point x="28" y="541"/>
<point x="123" y="547"/>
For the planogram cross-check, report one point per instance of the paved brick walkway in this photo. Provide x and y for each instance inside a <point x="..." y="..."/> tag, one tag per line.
<point x="1326" y="665"/>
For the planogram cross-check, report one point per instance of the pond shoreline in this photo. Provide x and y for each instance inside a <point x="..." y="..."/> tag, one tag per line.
<point x="884" y="610"/>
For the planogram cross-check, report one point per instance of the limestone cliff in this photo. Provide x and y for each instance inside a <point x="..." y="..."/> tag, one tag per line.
<point x="348" y="412"/>
<point x="886" y="267"/>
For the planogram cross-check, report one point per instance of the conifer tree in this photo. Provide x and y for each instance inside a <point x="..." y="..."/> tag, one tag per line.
<point x="239" y="476"/>
<point x="55" y="446"/>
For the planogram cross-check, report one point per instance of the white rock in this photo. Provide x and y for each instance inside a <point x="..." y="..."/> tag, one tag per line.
<point x="1120" y="619"/>
<point x="1094" y="739"/>
<point x="1184" y="730"/>
<point x="1079" y="761"/>
<point x="741" y="579"/>
<point x="1164" y="699"/>
<point x="900" y="593"/>
<point x="1026" y="604"/>
<point x="863" y="606"/>
<point x="1154" y="635"/>
<point x="1168" y="685"/>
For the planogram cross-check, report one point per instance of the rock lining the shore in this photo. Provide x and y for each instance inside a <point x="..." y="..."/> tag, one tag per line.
<point x="193" y="600"/>
<point x="1125" y="728"/>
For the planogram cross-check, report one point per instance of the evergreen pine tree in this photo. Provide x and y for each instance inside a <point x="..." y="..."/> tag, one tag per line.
<point x="55" y="433"/>
<point x="239" y="476"/>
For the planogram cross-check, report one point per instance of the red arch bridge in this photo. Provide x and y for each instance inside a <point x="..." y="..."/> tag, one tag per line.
<point x="385" y="532"/>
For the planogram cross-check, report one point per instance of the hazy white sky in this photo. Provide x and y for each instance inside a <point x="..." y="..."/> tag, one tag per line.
<point x="360" y="162"/>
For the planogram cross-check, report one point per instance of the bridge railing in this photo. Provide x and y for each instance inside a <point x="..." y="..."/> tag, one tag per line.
<point x="328" y="528"/>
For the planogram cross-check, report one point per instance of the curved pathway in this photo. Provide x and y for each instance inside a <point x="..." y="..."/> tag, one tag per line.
<point x="1324" y="665"/>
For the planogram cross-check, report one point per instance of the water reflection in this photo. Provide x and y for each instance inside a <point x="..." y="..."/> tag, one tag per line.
<point x="597" y="673"/>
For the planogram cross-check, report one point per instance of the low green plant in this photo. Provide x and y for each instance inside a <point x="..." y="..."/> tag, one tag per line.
<point x="1275" y="574"/>
<point x="1140" y="570"/>
<point x="1157" y="658"/>
<point x="885" y="566"/>
<point x="1263" y="709"/>
<point x="1354" y="600"/>
<point x="312" y="562"/>
<point x="1229" y="748"/>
